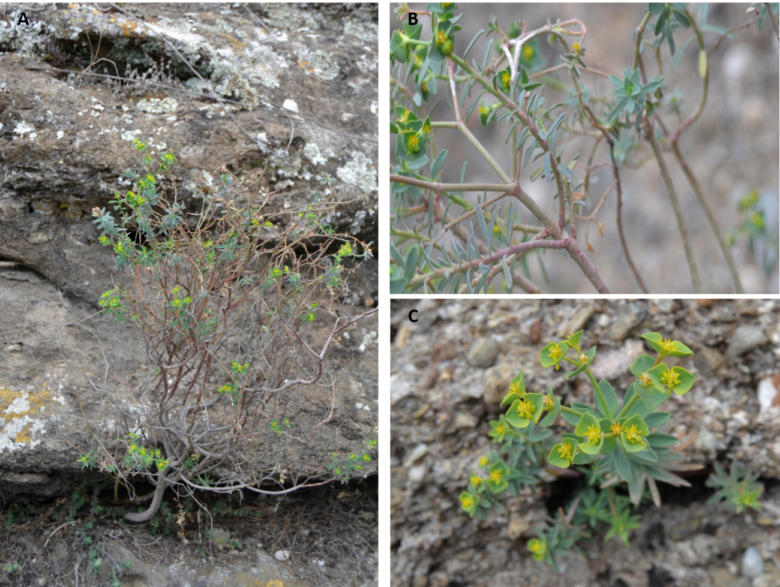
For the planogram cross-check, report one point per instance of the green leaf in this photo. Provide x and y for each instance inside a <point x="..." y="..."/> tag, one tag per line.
<point x="507" y="273"/>
<point x="487" y="54"/>
<point x="642" y="364"/>
<point x="610" y="397"/>
<point x="547" y="167"/>
<point x="474" y="40"/>
<point x="681" y="17"/>
<point x="410" y="264"/>
<point x="437" y="164"/>
<point x="549" y="419"/>
<point x="662" y="440"/>
<point x="537" y="401"/>
<point x="417" y="163"/>
<point x="651" y="396"/>
<point x="646" y="455"/>
<point x="655" y="340"/>
<point x="656" y="419"/>
<point x="574" y="339"/>
<point x="623" y="468"/>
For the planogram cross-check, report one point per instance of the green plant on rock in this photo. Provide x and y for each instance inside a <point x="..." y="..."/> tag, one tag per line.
<point x="443" y="240"/>
<point x="227" y="298"/>
<point x="739" y="488"/>
<point x="613" y="445"/>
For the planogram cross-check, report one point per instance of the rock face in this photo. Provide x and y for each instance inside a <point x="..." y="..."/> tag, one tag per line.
<point x="299" y="91"/>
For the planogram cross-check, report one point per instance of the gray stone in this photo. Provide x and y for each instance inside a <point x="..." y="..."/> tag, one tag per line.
<point x="745" y="338"/>
<point x="483" y="353"/>
<point x="631" y="316"/>
<point x="576" y="322"/>
<point x="708" y="360"/>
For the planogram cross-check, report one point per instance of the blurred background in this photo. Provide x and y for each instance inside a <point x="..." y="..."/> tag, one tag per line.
<point x="732" y="149"/>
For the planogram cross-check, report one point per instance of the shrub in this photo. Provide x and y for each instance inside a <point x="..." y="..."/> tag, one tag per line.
<point x="484" y="243"/>
<point x="227" y="300"/>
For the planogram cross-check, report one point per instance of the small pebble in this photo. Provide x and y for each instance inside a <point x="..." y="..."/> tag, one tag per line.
<point x="483" y="353"/>
<point x="752" y="563"/>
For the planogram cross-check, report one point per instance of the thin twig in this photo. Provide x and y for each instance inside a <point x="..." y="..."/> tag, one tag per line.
<point x="675" y="206"/>
<point x="768" y="6"/>
<point x="623" y="244"/>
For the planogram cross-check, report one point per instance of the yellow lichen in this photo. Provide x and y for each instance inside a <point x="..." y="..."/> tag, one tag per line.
<point x="35" y="401"/>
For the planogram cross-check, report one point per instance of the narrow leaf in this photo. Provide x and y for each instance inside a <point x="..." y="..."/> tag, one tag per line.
<point x="507" y="273"/>
<point x="437" y="164"/>
<point x="474" y="40"/>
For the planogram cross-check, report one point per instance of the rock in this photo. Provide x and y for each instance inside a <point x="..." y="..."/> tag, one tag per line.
<point x="576" y="322"/>
<point x="722" y="578"/>
<point x="517" y="527"/>
<point x="497" y="383"/>
<point x="752" y="563"/>
<point x="705" y="442"/>
<point x="631" y="315"/>
<point x="282" y="555"/>
<point x="419" y="452"/>
<point x="708" y="360"/>
<point x="744" y="339"/>
<point x="483" y="353"/>
<point x="766" y="394"/>
<point x="613" y="363"/>
<point x="464" y="421"/>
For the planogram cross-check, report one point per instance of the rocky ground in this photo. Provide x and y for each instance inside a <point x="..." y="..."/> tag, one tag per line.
<point x="450" y="371"/>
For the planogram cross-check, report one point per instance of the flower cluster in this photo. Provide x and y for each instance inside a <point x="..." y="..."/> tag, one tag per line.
<point x="344" y="468"/>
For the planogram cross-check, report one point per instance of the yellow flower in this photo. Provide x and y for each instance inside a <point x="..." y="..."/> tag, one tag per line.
<point x="633" y="435"/>
<point x="577" y="48"/>
<point x="505" y="79"/>
<point x="548" y="400"/>
<point x="467" y="501"/>
<point x="175" y="289"/>
<point x="645" y="379"/>
<point x="414" y="144"/>
<point x="555" y="352"/>
<point x="616" y="428"/>
<point x="483" y="461"/>
<point x="500" y="429"/>
<point x="538" y="548"/>
<point x="670" y="378"/>
<point x="514" y="387"/>
<point x="528" y="52"/>
<point x="593" y="434"/>
<point x="565" y="451"/>
<point x="583" y="359"/>
<point x="668" y="345"/>
<point x="133" y="447"/>
<point x="427" y="126"/>
<point x="525" y="409"/>
<point x="441" y="37"/>
<point x="176" y="303"/>
<point x="476" y="480"/>
<point x="496" y="476"/>
<point x="143" y="452"/>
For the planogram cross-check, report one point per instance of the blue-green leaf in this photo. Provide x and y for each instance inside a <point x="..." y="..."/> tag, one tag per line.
<point x="622" y="465"/>
<point x="610" y="397"/>
<point x="438" y="163"/>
